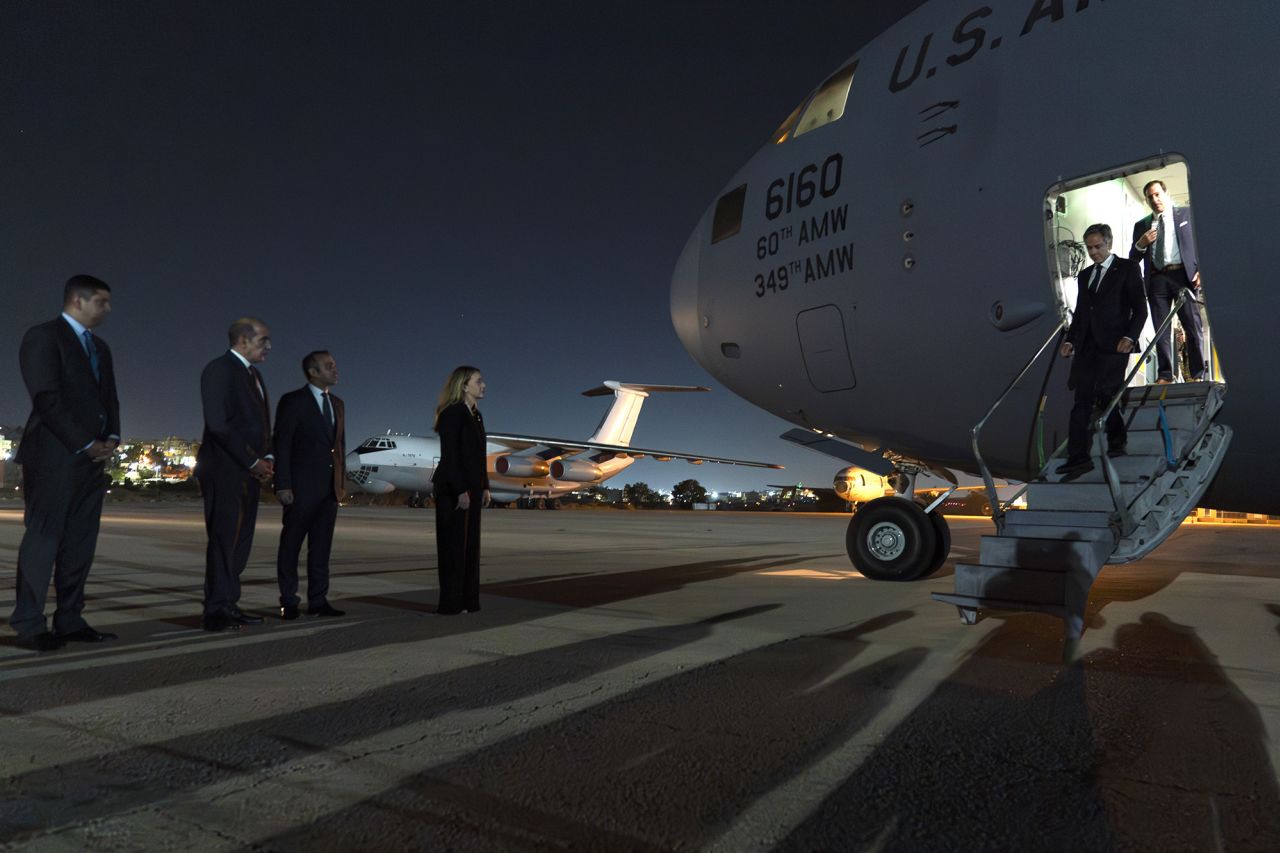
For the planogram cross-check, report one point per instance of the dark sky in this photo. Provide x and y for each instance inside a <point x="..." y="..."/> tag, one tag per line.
<point x="411" y="185"/>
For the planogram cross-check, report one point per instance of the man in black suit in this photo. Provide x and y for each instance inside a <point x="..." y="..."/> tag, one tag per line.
<point x="73" y="430"/>
<point x="310" y="448"/>
<point x="234" y="459"/>
<point x="1165" y="243"/>
<point x="1110" y="312"/>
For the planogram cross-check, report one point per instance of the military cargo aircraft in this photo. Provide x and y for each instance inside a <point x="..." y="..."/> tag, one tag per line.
<point x="893" y="269"/>
<point x="533" y="470"/>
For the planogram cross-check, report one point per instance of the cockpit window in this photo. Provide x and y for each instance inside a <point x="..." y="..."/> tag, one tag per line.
<point x="783" y="133"/>
<point x="828" y="104"/>
<point x="728" y="218"/>
<point x="378" y="444"/>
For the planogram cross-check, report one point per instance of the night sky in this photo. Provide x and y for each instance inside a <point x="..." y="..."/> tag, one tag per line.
<point x="410" y="185"/>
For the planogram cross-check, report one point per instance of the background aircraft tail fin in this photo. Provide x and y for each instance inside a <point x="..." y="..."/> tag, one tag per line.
<point x="620" y="421"/>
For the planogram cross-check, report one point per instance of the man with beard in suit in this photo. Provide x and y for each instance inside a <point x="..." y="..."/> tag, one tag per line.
<point x="234" y="460"/>
<point x="310" y="450"/>
<point x="73" y="430"/>
<point x="1110" y="311"/>
<point x="1165" y="244"/>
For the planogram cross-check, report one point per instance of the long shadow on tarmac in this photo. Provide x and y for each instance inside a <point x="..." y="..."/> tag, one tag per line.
<point x="101" y="678"/>
<point x="667" y="766"/>
<point x="114" y="783"/>
<point x="1145" y="746"/>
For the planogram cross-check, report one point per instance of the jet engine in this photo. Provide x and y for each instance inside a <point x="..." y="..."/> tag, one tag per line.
<point x="856" y="485"/>
<point x="520" y="466"/>
<point x="576" y="471"/>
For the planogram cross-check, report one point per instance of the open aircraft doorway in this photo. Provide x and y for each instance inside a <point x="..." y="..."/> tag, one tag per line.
<point x="1119" y="199"/>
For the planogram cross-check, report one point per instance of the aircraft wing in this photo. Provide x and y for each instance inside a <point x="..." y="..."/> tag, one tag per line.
<point x="548" y="449"/>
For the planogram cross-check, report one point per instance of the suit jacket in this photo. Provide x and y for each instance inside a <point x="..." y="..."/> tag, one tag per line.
<point x="462" y="465"/>
<point x="1184" y="227"/>
<point x="237" y="419"/>
<point x="69" y="407"/>
<point x="1118" y="309"/>
<point x="310" y="455"/>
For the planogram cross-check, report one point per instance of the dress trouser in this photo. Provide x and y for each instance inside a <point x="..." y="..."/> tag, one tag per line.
<point x="312" y="520"/>
<point x="1163" y="288"/>
<point x="63" y="497"/>
<point x="1098" y="376"/>
<point x="458" y="552"/>
<point x="230" y="513"/>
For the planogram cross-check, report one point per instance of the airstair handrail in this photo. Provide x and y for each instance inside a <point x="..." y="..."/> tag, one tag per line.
<point x="1113" y="480"/>
<point x="997" y="511"/>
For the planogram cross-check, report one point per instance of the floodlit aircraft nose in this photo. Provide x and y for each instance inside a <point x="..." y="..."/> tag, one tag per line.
<point x="684" y="294"/>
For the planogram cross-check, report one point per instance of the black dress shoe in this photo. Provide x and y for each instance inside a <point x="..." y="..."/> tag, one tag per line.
<point x="87" y="635"/>
<point x="1074" y="466"/>
<point x="220" y="621"/>
<point x="325" y="609"/>
<point x="244" y="618"/>
<point x="1116" y="450"/>
<point x="442" y="612"/>
<point x="45" y="642"/>
<point x="288" y="611"/>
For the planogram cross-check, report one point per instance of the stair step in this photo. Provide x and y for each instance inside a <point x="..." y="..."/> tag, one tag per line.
<point x="1050" y="531"/>
<point x="1072" y="496"/>
<point x="1130" y="468"/>
<point x="1150" y="442"/>
<point x="1048" y="517"/>
<point x="1178" y="416"/>
<point x="1059" y="554"/>
<point x="1010" y="584"/>
<point x="1181" y="392"/>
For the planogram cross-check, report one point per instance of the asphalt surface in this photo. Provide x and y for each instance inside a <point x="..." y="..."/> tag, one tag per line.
<point x="643" y="681"/>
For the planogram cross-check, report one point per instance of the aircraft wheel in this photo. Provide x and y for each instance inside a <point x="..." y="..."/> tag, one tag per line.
<point x="892" y="539"/>
<point x="942" y="547"/>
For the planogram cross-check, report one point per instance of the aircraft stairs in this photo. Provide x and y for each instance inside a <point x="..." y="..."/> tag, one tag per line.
<point x="1046" y="557"/>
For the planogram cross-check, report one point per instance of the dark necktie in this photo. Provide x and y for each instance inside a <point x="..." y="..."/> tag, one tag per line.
<point x="92" y="352"/>
<point x="1160" y="242"/>
<point x="1097" y="277"/>
<point x="327" y="407"/>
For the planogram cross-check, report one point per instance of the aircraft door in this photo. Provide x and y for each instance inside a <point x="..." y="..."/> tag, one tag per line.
<point x="825" y="348"/>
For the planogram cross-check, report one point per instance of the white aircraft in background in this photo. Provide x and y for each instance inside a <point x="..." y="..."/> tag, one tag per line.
<point x="526" y="468"/>
<point x="891" y="271"/>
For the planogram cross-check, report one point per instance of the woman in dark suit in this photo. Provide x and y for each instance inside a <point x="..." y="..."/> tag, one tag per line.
<point x="461" y="485"/>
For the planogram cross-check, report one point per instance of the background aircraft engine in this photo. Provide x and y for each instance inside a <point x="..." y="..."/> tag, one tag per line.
<point x="576" y="471"/>
<point x="520" y="466"/>
<point x="857" y="485"/>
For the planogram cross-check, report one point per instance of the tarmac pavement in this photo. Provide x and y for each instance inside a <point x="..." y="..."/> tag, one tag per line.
<point x="642" y="681"/>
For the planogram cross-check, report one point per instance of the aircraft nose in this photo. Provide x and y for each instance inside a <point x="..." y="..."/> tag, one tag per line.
<point x="684" y="294"/>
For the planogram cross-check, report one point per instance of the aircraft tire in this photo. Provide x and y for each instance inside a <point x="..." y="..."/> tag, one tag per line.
<point x="942" y="547"/>
<point x="891" y="539"/>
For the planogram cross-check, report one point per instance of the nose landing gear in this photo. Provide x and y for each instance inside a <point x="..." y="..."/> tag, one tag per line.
<point x="893" y="539"/>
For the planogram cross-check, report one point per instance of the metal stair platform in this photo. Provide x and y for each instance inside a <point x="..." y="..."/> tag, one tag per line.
<point x="1045" y="558"/>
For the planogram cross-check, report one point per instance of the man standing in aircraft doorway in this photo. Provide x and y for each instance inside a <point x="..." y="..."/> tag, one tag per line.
<point x="1165" y="243"/>
<point x="310" y="448"/>
<point x="1110" y="312"/>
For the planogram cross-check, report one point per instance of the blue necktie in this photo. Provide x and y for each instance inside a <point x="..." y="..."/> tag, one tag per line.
<point x="93" y="354"/>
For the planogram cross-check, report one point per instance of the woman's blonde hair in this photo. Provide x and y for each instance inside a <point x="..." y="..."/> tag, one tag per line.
<point x="452" y="391"/>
